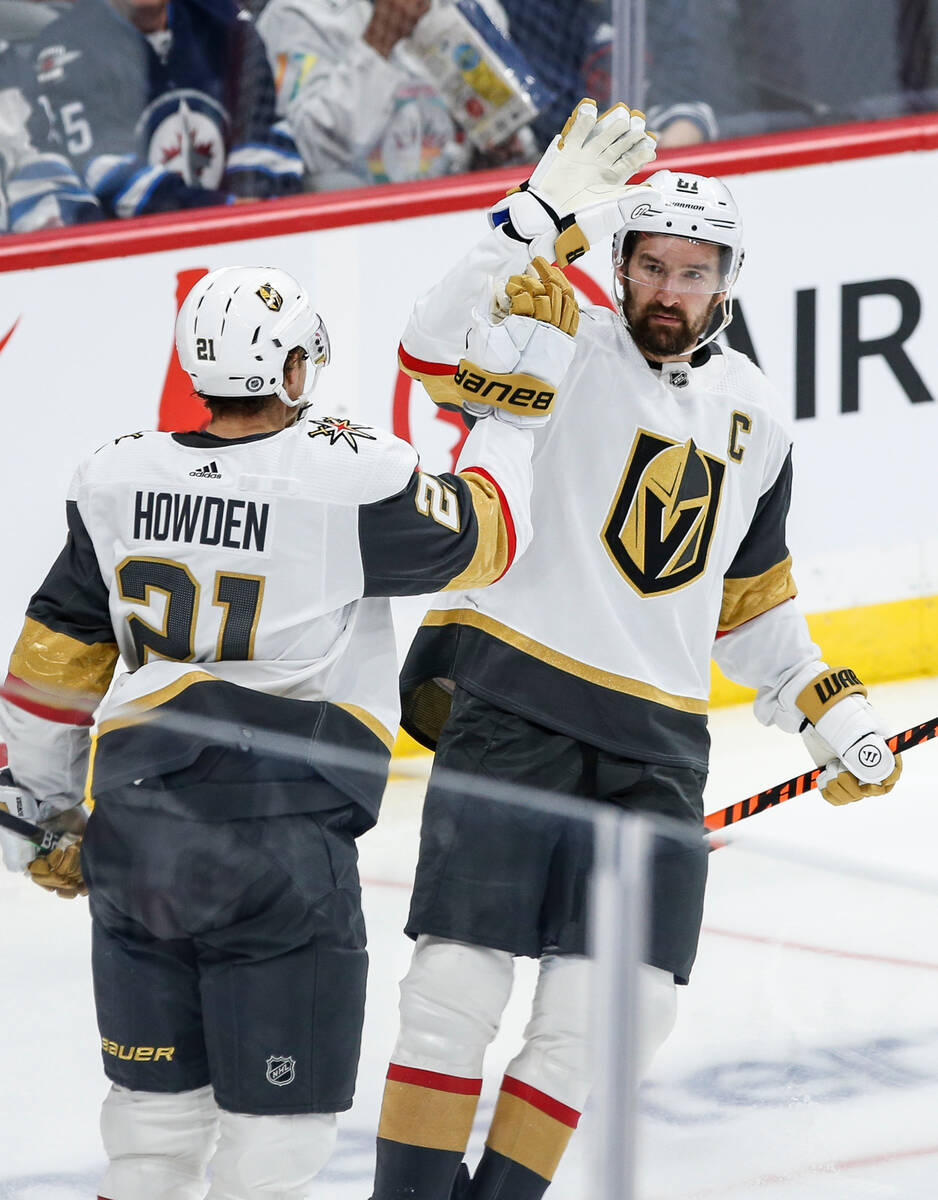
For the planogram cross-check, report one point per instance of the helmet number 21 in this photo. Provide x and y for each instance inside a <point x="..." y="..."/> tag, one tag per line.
<point x="205" y="349"/>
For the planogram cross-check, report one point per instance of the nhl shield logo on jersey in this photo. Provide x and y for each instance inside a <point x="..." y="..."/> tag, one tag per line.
<point x="281" y="1069"/>
<point x="271" y="297"/>
<point x="660" y="527"/>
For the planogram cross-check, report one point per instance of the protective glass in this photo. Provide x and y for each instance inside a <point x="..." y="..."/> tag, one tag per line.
<point x="665" y="263"/>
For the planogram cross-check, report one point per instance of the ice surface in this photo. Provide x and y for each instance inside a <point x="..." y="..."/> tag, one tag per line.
<point x="804" y="1064"/>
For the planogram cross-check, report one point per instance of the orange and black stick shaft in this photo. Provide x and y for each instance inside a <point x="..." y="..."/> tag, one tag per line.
<point x="804" y="783"/>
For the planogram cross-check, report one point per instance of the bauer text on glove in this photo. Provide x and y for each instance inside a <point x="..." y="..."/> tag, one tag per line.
<point x="514" y="364"/>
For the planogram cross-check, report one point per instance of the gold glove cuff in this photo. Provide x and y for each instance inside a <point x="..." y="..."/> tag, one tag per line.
<point x="516" y="393"/>
<point x="826" y="690"/>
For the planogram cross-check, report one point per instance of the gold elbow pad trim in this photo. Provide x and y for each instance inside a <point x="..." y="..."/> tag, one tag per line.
<point x="826" y="690"/>
<point x="570" y="244"/>
<point x="515" y="393"/>
<point x="746" y="598"/>
<point x="490" y="560"/>
<point x="59" y="665"/>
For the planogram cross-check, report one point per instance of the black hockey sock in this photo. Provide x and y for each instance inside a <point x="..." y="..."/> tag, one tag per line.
<point x="414" y="1172"/>
<point x="528" y="1135"/>
<point x="501" y="1178"/>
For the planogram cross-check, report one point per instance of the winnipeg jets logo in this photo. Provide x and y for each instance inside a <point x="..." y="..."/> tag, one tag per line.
<point x="660" y="526"/>
<point x="52" y="61"/>
<point x="184" y="132"/>
<point x="271" y="297"/>
<point x="339" y="430"/>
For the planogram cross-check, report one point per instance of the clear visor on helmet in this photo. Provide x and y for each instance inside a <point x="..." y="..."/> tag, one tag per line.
<point x="317" y="344"/>
<point x="314" y="341"/>
<point x="667" y="263"/>
<point x="305" y="329"/>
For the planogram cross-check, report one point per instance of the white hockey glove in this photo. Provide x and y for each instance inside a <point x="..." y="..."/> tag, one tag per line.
<point x="515" y="363"/>
<point x="845" y="736"/>
<point x="572" y="199"/>
<point x="59" y="869"/>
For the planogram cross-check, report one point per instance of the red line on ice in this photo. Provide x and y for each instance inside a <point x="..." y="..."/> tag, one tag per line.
<point x="846" y="1164"/>
<point x="827" y="951"/>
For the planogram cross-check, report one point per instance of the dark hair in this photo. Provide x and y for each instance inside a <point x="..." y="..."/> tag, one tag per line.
<point x="238" y="406"/>
<point x="251" y="406"/>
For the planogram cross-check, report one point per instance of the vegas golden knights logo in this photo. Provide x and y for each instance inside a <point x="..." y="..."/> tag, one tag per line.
<point x="660" y="526"/>
<point x="271" y="297"/>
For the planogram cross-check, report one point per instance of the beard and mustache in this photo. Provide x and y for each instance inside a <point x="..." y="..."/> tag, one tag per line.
<point x="669" y="339"/>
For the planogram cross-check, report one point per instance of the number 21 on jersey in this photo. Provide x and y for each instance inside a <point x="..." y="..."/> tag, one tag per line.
<point x="239" y="596"/>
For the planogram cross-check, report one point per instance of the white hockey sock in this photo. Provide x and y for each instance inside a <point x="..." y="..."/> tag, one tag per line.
<point x="158" y="1144"/>
<point x="270" y="1158"/>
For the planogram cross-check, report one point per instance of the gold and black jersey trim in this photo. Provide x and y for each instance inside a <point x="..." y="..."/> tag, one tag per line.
<point x="59" y="671"/>
<point x="516" y="674"/>
<point x="563" y="662"/>
<point x="206" y="749"/>
<point x="371" y="723"/>
<point x="143" y="708"/>
<point x="744" y="599"/>
<point x="495" y="544"/>
<point x="65" y="656"/>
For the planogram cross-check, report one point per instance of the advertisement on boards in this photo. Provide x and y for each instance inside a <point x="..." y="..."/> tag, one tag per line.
<point x="835" y="302"/>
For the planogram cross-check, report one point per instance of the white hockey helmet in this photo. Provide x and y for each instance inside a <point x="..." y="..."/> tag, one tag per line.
<point x="696" y="207"/>
<point x="236" y="328"/>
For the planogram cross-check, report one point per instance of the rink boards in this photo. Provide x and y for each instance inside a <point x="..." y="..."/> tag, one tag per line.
<point x="835" y="300"/>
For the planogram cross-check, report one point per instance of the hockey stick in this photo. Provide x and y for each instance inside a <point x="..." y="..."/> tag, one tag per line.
<point x="804" y="783"/>
<point x="44" y="840"/>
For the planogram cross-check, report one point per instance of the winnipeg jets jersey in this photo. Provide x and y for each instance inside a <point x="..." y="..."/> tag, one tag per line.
<point x="659" y="513"/>
<point x="243" y="583"/>
<point x="126" y="124"/>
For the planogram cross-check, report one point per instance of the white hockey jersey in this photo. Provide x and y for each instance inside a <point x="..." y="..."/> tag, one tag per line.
<point x="243" y="582"/>
<point x="659" y="511"/>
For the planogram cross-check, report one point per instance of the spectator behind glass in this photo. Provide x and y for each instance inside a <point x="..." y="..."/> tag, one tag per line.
<point x="359" y="103"/>
<point x="569" y="42"/>
<point x="795" y="81"/>
<point x="143" y="107"/>
<point x="21" y="23"/>
<point x="796" y="63"/>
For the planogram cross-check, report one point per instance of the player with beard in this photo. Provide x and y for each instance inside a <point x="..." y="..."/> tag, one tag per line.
<point x="661" y="490"/>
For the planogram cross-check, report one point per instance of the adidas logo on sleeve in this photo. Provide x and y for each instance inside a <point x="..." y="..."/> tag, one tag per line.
<point x="210" y="471"/>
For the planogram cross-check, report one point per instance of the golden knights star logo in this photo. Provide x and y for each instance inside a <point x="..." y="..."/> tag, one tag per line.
<point x="339" y="430"/>
<point x="661" y="523"/>
<point x="271" y="297"/>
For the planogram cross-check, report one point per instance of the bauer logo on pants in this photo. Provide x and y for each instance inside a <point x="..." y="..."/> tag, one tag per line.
<point x="661" y="523"/>
<point x="281" y="1070"/>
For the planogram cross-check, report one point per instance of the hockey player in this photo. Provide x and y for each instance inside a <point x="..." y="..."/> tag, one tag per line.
<point x="242" y="574"/>
<point x="142" y="106"/>
<point x="661" y="492"/>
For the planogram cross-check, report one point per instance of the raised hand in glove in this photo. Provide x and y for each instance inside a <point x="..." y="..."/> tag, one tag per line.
<point x="572" y="198"/>
<point x="57" y="869"/>
<point x="514" y="363"/>
<point x="845" y="736"/>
